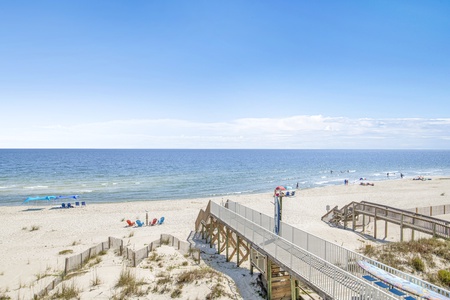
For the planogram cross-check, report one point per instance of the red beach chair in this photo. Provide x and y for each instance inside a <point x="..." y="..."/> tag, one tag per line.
<point x="130" y="223"/>
<point x="155" y="220"/>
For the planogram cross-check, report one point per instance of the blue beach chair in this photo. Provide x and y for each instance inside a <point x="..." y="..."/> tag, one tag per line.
<point x="397" y="292"/>
<point x="77" y="203"/>
<point x="382" y="284"/>
<point x="63" y="205"/>
<point x="139" y="223"/>
<point x="369" y="278"/>
<point x="161" y="221"/>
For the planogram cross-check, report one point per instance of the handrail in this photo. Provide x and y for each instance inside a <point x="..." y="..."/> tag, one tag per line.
<point x="430" y="225"/>
<point x="323" y="275"/>
<point x="424" y="223"/>
<point x="407" y="212"/>
<point x="333" y="253"/>
<point x="202" y="216"/>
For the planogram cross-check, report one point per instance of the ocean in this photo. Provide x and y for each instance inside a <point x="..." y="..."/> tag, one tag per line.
<point x="99" y="175"/>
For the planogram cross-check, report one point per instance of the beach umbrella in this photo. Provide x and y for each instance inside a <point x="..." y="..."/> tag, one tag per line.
<point x="45" y="198"/>
<point x="288" y="187"/>
<point x="280" y="188"/>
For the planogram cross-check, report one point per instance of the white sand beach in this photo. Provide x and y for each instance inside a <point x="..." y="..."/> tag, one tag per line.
<point x="31" y="239"/>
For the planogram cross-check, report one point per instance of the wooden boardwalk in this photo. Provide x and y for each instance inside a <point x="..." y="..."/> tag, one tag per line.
<point x="285" y="267"/>
<point x="354" y="214"/>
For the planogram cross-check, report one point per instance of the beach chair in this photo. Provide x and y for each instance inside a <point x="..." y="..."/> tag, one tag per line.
<point x="139" y="223"/>
<point x="382" y="284"/>
<point x="77" y="203"/>
<point x="369" y="278"/>
<point x="83" y="203"/>
<point x="63" y="205"/>
<point x="293" y="193"/>
<point x="161" y="221"/>
<point x="69" y="205"/>
<point x="130" y="223"/>
<point x="397" y="292"/>
<point x="155" y="220"/>
<point x="288" y="194"/>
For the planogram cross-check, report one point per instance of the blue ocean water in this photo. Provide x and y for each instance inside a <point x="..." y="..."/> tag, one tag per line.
<point x="136" y="175"/>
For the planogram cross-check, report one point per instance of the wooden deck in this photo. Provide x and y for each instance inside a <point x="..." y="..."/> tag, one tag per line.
<point x="355" y="214"/>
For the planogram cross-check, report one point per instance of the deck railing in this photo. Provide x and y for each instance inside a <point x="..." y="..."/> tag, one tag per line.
<point x="332" y="280"/>
<point x="328" y="251"/>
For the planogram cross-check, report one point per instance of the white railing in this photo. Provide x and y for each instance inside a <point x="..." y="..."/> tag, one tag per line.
<point x="330" y="252"/>
<point x="325" y="276"/>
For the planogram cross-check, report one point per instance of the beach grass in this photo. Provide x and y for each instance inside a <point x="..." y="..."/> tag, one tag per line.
<point x="428" y="258"/>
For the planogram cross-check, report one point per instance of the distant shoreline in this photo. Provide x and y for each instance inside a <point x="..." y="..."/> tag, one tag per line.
<point x="354" y="182"/>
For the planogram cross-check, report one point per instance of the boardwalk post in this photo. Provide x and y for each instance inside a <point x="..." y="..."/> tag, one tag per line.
<point x="211" y="231"/>
<point x="375" y="225"/>
<point x="354" y="217"/>
<point x="294" y="293"/>
<point x="218" y="238"/>
<point x="269" y="278"/>
<point x="226" y="243"/>
<point x="364" y="222"/>
<point x="401" y="228"/>
<point x="345" y="217"/>
<point x="238" y="243"/>
<point x="386" y="224"/>
<point x="385" y="229"/>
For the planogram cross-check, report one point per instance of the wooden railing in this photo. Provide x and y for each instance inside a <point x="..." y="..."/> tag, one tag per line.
<point x="203" y="215"/>
<point x="401" y="217"/>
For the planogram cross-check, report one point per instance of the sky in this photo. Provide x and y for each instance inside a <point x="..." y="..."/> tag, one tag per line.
<point x="225" y="74"/>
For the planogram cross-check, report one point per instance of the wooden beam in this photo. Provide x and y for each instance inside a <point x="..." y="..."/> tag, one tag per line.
<point x="227" y="244"/>
<point x="401" y="228"/>
<point x="269" y="278"/>
<point x="353" y="217"/>
<point x="210" y="231"/>
<point x="218" y="237"/>
<point x="375" y="225"/>
<point x="294" y="291"/>
<point x="244" y="255"/>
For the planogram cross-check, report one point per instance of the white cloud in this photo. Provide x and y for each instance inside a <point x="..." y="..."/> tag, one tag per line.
<point x="295" y="132"/>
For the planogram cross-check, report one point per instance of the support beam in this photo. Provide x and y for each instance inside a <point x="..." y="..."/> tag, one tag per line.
<point x="211" y="232"/>
<point x="218" y="237"/>
<point x="401" y="228"/>
<point x="227" y="245"/>
<point x="294" y="290"/>
<point x="353" y="217"/>
<point x="345" y="216"/>
<point x="364" y="223"/>
<point x="386" y="229"/>
<point x="375" y="225"/>
<point x="269" y="278"/>
<point x="237" y="248"/>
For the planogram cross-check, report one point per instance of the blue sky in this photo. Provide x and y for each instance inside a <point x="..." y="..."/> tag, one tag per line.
<point x="225" y="74"/>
